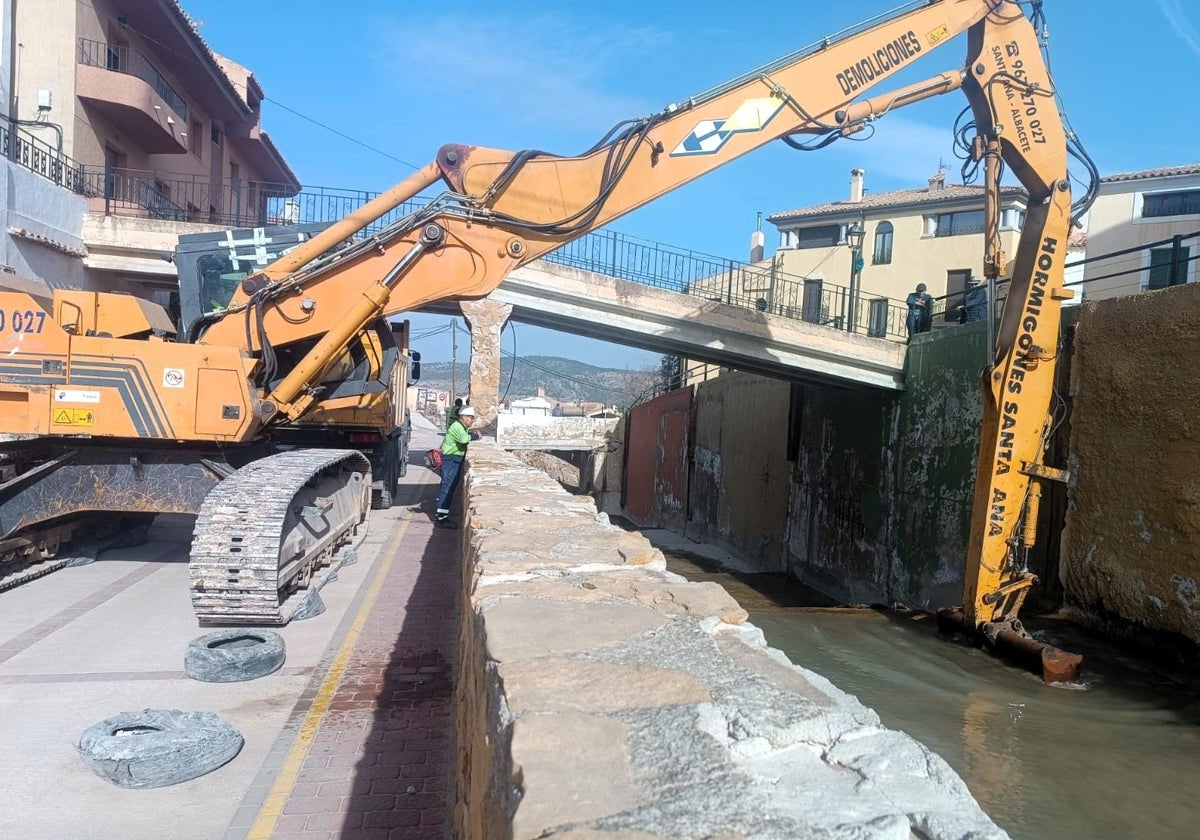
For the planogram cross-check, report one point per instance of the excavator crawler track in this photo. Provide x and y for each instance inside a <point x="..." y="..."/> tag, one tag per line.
<point x="265" y="533"/>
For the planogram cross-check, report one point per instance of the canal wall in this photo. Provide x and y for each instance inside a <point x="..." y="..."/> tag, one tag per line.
<point x="601" y="696"/>
<point x="863" y="495"/>
<point x="866" y="496"/>
<point x="1131" y="546"/>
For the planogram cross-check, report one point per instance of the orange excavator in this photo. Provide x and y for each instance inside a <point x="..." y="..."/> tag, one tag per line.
<point x="117" y="415"/>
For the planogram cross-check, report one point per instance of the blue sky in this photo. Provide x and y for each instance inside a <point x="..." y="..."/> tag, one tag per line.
<point x="406" y="78"/>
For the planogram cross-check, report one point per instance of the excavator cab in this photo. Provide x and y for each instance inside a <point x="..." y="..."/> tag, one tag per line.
<point x="362" y="396"/>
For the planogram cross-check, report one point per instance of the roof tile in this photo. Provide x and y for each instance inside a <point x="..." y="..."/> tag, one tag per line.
<point x="893" y="198"/>
<point x="1164" y="172"/>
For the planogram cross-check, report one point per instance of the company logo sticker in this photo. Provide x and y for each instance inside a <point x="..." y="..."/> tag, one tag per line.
<point x="709" y="136"/>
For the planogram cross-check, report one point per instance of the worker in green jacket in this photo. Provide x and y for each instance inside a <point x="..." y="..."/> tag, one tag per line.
<point x="454" y="451"/>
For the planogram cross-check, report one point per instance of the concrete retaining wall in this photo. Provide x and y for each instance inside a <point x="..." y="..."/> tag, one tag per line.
<point x="1132" y="541"/>
<point x="601" y="696"/>
<point x="862" y="494"/>
<point x="880" y="487"/>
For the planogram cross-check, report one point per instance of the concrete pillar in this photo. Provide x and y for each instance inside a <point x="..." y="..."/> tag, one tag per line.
<point x="486" y="318"/>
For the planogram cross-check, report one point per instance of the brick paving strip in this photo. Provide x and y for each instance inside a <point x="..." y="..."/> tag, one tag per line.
<point x="368" y="753"/>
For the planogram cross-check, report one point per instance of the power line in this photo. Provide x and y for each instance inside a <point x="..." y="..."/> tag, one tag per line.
<point x="341" y="134"/>
<point x="192" y="59"/>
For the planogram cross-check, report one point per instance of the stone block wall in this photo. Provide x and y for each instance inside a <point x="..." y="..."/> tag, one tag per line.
<point x="601" y="696"/>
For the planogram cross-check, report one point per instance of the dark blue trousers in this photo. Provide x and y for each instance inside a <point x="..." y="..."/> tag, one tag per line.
<point x="451" y="473"/>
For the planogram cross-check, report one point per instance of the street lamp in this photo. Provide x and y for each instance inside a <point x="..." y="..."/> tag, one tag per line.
<point x="854" y="240"/>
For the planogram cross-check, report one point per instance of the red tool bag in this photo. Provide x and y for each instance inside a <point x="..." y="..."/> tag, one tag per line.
<point x="433" y="459"/>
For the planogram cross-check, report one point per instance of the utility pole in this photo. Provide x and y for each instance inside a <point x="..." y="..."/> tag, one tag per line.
<point x="453" y="359"/>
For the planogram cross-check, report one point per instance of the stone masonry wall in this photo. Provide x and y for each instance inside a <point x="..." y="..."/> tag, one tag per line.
<point x="602" y="696"/>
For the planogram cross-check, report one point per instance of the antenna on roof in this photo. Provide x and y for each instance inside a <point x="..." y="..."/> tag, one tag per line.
<point x="943" y="166"/>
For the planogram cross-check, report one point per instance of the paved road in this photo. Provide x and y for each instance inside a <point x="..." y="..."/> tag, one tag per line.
<point x="353" y="738"/>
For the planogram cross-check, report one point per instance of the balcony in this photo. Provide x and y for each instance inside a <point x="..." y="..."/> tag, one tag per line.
<point x="38" y="157"/>
<point x="127" y="89"/>
<point x="169" y="197"/>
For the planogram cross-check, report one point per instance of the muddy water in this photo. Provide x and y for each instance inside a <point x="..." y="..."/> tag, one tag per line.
<point x="1118" y="757"/>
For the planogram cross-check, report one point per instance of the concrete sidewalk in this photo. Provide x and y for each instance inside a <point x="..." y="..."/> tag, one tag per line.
<point x="351" y="738"/>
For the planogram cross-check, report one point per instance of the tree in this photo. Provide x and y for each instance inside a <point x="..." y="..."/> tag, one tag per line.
<point x="668" y="372"/>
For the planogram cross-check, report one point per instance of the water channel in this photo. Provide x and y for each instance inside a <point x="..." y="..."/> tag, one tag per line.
<point x="1117" y="757"/>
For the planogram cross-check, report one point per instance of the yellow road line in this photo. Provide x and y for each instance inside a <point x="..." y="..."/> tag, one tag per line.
<point x="285" y="780"/>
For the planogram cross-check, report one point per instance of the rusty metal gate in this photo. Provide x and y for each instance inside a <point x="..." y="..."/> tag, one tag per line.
<point x="658" y="455"/>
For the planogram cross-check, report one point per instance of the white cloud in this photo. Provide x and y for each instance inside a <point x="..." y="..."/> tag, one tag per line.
<point x="1183" y="27"/>
<point x="548" y="72"/>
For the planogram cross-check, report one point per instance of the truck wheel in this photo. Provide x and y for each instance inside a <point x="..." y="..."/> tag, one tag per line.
<point x="393" y="468"/>
<point x="158" y="747"/>
<point x="234" y="655"/>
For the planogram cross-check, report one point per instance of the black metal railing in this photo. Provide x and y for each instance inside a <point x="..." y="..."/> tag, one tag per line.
<point x="327" y="204"/>
<point x="40" y="158"/>
<point x="119" y="58"/>
<point x="232" y="202"/>
<point x="746" y="285"/>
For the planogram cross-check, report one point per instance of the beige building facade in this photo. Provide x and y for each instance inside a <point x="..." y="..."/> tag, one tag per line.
<point x="162" y="135"/>
<point x="1136" y="218"/>
<point x="931" y="235"/>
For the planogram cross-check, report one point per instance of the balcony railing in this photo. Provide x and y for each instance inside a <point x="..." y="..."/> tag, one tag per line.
<point x="121" y="59"/>
<point x="40" y="158"/>
<point x="230" y="202"/>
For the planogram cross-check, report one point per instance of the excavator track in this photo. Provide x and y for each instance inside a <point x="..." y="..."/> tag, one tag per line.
<point x="265" y="533"/>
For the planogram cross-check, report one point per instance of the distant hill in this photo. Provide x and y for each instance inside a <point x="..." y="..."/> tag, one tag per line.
<point x="564" y="380"/>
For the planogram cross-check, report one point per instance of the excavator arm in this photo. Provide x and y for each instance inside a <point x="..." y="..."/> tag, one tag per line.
<point x="500" y="209"/>
<point x="1012" y="99"/>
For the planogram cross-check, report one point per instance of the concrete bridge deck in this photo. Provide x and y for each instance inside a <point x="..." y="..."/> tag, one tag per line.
<point x="581" y="302"/>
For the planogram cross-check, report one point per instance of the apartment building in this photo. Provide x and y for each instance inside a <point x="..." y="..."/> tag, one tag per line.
<point x="158" y="133"/>
<point x="1143" y="229"/>
<point x="931" y="235"/>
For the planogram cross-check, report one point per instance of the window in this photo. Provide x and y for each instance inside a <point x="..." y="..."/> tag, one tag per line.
<point x="195" y="146"/>
<point x="1160" y="268"/>
<point x="1180" y="203"/>
<point x="117" y="54"/>
<point x="1012" y="218"/>
<point x="820" y="237"/>
<point x="219" y="279"/>
<point x="883" y="244"/>
<point x="217" y="137"/>
<point x="959" y="223"/>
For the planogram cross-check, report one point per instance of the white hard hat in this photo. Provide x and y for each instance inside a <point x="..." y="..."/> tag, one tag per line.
<point x="466" y="411"/>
